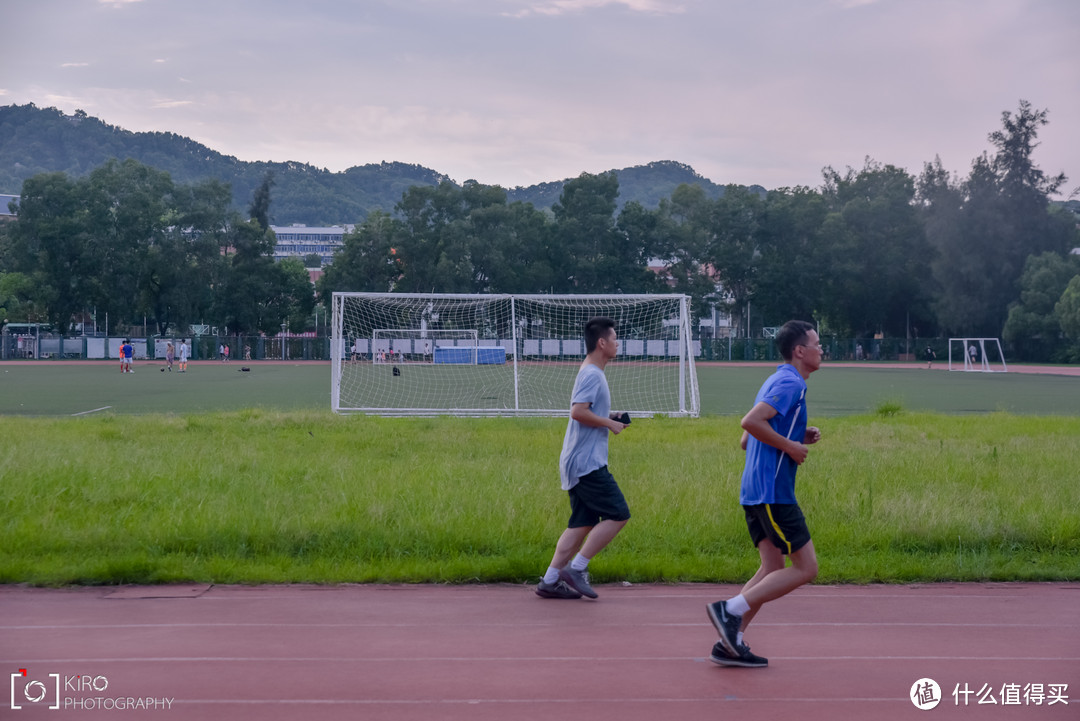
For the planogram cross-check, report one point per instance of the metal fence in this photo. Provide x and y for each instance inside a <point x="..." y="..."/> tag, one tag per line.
<point x="258" y="348"/>
<point x="53" y="347"/>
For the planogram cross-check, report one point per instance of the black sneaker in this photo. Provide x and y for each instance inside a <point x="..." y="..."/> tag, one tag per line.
<point x="577" y="580"/>
<point x="727" y="625"/>
<point x="555" y="590"/>
<point x="743" y="658"/>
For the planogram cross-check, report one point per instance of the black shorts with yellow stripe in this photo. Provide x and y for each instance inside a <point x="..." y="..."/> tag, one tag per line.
<point x="782" y="523"/>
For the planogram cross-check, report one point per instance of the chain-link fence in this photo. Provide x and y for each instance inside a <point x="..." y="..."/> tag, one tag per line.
<point x="240" y="348"/>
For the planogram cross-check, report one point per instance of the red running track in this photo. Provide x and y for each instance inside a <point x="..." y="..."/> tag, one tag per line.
<point x="499" y="652"/>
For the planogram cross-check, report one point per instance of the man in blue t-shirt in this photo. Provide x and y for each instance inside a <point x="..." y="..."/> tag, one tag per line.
<point x="598" y="510"/>
<point x="775" y="436"/>
<point x="126" y="352"/>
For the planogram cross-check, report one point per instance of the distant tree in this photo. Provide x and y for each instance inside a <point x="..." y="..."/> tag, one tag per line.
<point x="878" y="272"/>
<point x="1067" y="310"/>
<point x="259" y="210"/>
<point x="51" y="245"/>
<point x="794" y="271"/>
<point x="434" y="251"/>
<point x="737" y="240"/>
<point x="1033" y="328"/>
<point x="585" y="237"/>
<point x="293" y="297"/>
<point x="984" y="228"/>
<point x="16" y="297"/>
<point x="509" y="248"/>
<point x="257" y="294"/>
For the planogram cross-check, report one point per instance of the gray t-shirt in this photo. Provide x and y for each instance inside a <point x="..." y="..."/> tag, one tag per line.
<point x="585" y="448"/>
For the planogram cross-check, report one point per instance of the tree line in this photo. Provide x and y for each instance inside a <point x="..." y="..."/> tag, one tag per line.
<point x="127" y="244"/>
<point x="872" y="250"/>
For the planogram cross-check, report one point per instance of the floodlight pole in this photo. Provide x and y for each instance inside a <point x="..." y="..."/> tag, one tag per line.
<point x="283" y="326"/>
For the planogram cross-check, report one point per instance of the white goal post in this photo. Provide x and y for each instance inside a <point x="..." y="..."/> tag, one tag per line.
<point x="983" y="355"/>
<point x="488" y="355"/>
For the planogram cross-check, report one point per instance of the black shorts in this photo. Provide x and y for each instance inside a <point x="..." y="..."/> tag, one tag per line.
<point x="782" y="523"/>
<point x="596" y="497"/>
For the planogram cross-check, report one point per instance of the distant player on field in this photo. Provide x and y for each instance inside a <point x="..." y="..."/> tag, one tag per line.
<point x="775" y="436"/>
<point x="598" y="510"/>
<point x="183" y="355"/>
<point x="126" y="352"/>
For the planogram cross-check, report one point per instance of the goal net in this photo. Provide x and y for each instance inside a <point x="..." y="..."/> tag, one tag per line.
<point x="424" y="345"/>
<point x="433" y="354"/>
<point x="976" y="354"/>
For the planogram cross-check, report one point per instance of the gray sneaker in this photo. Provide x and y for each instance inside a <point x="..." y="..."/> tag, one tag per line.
<point x="743" y="658"/>
<point x="727" y="625"/>
<point x="577" y="580"/>
<point x="555" y="590"/>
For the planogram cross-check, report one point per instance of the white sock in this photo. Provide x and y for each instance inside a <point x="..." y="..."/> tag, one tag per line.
<point x="738" y="639"/>
<point x="738" y="605"/>
<point x="552" y="575"/>
<point x="580" y="563"/>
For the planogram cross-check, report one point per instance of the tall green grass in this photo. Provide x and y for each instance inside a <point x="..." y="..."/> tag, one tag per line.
<point x="260" y="496"/>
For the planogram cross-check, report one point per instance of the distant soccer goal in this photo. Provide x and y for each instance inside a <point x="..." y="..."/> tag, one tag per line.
<point x="983" y="355"/>
<point x="459" y="354"/>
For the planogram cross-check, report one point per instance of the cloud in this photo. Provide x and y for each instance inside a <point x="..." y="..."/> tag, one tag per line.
<point x="65" y="101"/>
<point x="564" y="7"/>
<point x="74" y="65"/>
<point x="3" y="92"/>
<point x="118" y="3"/>
<point x="165" y="104"/>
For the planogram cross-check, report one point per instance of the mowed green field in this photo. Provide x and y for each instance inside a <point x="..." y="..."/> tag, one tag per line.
<point x="229" y="477"/>
<point x="47" y="389"/>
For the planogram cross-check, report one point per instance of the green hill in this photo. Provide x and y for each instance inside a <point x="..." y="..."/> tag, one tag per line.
<point x="36" y="140"/>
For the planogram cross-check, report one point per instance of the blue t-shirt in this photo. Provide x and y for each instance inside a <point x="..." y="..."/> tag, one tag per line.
<point x="769" y="476"/>
<point x="585" y="448"/>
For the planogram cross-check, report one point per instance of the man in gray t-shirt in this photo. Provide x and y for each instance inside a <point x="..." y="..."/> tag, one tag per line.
<point x="598" y="510"/>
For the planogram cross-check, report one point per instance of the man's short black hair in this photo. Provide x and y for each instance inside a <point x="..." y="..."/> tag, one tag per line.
<point x="595" y="329"/>
<point x="791" y="334"/>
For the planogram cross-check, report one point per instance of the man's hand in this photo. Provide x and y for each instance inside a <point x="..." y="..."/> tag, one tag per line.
<point x="798" y="452"/>
<point x="813" y="435"/>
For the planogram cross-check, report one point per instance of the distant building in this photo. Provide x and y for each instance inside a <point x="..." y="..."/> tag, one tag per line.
<point x="300" y="241"/>
<point x="6" y="214"/>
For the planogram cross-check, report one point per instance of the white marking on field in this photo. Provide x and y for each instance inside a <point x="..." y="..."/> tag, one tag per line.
<point x="83" y="413"/>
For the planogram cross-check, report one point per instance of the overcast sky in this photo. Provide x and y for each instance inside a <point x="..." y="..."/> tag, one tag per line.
<point x="516" y="92"/>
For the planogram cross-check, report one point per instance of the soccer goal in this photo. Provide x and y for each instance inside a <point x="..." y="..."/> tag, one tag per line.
<point x="977" y="354"/>
<point x="477" y="355"/>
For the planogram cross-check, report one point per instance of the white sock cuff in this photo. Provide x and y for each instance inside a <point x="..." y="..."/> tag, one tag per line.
<point x="738" y="605"/>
